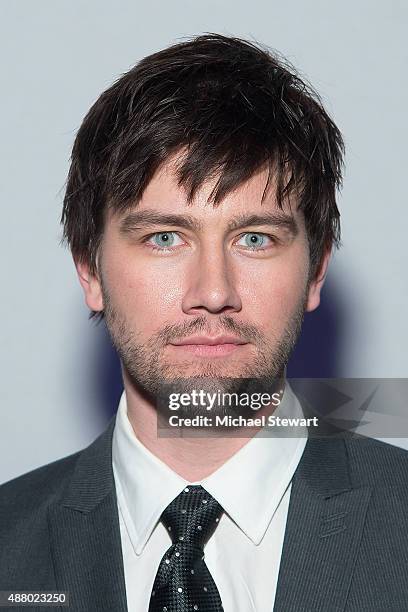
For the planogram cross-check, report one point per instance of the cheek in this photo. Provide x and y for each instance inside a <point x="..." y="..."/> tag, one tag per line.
<point x="272" y="291"/>
<point x="142" y="292"/>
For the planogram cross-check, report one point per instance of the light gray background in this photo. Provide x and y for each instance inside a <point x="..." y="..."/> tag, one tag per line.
<point x="56" y="58"/>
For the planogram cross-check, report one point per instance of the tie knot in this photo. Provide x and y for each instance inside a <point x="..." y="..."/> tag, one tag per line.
<point x="192" y="516"/>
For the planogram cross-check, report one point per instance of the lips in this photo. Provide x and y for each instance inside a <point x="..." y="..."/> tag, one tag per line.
<point x="209" y="341"/>
<point x="207" y="346"/>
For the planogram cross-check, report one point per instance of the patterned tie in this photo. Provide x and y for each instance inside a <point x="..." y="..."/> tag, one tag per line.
<point x="183" y="582"/>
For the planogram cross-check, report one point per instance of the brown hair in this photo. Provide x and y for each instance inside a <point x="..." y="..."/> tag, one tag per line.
<point x="235" y="107"/>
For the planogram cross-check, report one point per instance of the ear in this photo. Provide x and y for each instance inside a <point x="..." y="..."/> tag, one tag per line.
<point x="91" y="285"/>
<point x="316" y="285"/>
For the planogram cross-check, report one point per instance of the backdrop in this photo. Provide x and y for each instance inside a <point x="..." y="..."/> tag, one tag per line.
<point x="60" y="378"/>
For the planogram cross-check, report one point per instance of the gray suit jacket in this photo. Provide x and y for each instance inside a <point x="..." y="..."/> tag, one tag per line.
<point x="345" y="545"/>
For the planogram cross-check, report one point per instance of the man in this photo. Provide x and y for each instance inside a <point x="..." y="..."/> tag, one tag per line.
<point x="201" y="213"/>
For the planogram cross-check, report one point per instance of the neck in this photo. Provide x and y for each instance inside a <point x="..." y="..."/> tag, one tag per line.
<point x="193" y="458"/>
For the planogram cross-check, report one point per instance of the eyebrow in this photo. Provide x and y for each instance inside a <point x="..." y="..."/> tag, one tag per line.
<point x="142" y="219"/>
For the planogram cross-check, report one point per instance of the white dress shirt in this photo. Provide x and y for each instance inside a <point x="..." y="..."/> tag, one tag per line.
<point x="253" y="487"/>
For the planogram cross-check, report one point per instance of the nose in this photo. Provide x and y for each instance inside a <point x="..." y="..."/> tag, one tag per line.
<point x="211" y="285"/>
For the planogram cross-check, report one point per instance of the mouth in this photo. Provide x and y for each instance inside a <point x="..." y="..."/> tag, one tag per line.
<point x="206" y="346"/>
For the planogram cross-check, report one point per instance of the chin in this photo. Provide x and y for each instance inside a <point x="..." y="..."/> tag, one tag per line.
<point x="210" y="371"/>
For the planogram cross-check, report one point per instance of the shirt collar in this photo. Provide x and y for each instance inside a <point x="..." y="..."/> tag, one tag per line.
<point x="250" y="484"/>
<point x="145" y="485"/>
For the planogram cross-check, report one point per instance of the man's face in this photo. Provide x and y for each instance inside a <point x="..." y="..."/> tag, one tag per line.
<point x="235" y="275"/>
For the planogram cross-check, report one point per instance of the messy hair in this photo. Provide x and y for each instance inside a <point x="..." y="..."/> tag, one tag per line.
<point x="233" y="107"/>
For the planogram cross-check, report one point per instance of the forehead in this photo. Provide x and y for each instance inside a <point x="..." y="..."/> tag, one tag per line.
<point x="165" y="195"/>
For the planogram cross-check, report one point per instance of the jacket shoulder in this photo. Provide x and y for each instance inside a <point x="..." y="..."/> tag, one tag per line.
<point x="377" y="462"/>
<point x="39" y="486"/>
<point x="30" y="495"/>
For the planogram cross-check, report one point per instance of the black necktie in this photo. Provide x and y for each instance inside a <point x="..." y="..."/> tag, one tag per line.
<point x="183" y="582"/>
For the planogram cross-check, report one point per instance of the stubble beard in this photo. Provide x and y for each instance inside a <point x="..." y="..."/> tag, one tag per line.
<point x="155" y="378"/>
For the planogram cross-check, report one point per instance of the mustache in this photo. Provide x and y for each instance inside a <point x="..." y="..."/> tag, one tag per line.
<point x="246" y="331"/>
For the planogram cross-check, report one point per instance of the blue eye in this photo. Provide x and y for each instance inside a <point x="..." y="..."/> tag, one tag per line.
<point x="164" y="240"/>
<point x="253" y="240"/>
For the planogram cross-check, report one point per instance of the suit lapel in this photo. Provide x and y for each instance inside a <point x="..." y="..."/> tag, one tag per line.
<point x="324" y="526"/>
<point x="322" y="537"/>
<point x="85" y="533"/>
